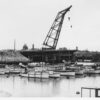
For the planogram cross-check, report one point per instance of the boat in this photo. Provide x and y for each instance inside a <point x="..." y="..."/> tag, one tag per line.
<point x="2" y="72"/>
<point x="94" y="72"/>
<point x="22" y="70"/>
<point x="31" y="74"/>
<point x="45" y="75"/>
<point x="14" y="71"/>
<point x="38" y="74"/>
<point x="66" y="72"/>
<point x="6" y="71"/>
<point x="24" y="75"/>
<point x="97" y="71"/>
<point x="53" y="74"/>
<point x="80" y="72"/>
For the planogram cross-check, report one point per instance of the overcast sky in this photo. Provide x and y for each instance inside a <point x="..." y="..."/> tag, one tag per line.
<point x="28" y="21"/>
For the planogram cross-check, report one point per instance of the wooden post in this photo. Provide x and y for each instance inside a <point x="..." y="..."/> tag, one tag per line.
<point x="81" y="92"/>
<point x="90" y="92"/>
<point x="96" y="92"/>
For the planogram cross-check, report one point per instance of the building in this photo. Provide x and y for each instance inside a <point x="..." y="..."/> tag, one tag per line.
<point x="49" y="56"/>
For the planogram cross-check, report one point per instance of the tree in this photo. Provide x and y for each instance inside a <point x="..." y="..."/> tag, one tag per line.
<point x="25" y="47"/>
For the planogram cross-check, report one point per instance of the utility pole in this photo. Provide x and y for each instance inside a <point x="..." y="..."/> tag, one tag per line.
<point x="14" y="45"/>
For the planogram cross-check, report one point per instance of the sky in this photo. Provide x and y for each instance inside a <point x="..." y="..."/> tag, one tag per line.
<point x="28" y="21"/>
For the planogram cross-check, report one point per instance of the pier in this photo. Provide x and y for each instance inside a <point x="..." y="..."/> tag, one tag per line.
<point x="96" y="91"/>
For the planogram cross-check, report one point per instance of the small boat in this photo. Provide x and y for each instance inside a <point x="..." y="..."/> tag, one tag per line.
<point x="31" y="74"/>
<point x="2" y="72"/>
<point x="80" y="72"/>
<point x="55" y="75"/>
<point x="45" y="75"/>
<point x="66" y="73"/>
<point x="94" y="72"/>
<point x="38" y="75"/>
<point x="89" y="71"/>
<point x="6" y="71"/>
<point x="24" y="75"/>
<point x="14" y="71"/>
<point x="97" y="71"/>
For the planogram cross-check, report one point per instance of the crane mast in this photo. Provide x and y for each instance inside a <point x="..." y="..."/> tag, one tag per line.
<point x="52" y="37"/>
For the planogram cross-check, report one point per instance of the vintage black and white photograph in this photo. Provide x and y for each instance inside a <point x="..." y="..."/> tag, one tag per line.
<point x="50" y="48"/>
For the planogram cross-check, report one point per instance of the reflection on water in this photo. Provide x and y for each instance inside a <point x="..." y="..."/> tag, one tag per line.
<point x="67" y="87"/>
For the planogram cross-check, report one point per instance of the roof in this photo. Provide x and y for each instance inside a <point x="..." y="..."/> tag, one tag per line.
<point x="83" y="53"/>
<point x="7" y="56"/>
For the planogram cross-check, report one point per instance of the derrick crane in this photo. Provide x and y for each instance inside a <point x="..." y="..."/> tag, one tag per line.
<point x="52" y="37"/>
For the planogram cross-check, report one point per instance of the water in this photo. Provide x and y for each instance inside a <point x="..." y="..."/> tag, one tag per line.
<point x="17" y="86"/>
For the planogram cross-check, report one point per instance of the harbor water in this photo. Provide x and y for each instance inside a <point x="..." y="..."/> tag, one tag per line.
<point x="16" y="86"/>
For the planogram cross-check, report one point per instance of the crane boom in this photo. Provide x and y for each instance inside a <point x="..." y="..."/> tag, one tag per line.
<point x="52" y="37"/>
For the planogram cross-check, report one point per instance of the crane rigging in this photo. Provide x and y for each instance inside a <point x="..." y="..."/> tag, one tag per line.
<point x="52" y="37"/>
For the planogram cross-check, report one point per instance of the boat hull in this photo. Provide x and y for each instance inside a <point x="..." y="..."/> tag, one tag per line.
<point x="24" y="75"/>
<point x="79" y="73"/>
<point x="38" y="75"/>
<point x="54" y="75"/>
<point x="67" y="73"/>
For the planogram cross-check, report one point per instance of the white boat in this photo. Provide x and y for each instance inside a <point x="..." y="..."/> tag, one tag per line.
<point x="66" y="73"/>
<point x="24" y="75"/>
<point x="14" y="71"/>
<point x="94" y="72"/>
<point x="31" y="74"/>
<point x="38" y="74"/>
<point x="45" y="75"/>
<point x="6" y="71"/>
<point x="54" y="75"/>
<point x="2" y="72"/>
<point x="97" y="71"/>
<point x="89" y="71"/>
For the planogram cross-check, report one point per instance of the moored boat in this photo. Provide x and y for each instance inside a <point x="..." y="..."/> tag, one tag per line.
<point x="24" y="75"/>
<point x="97" y="71"/>
<point x="2" y="72"/>
<point x="14" y="71"/>
<point x="80" y="72"/>
<point x="66" y="73"/>
<point x="54" y="75"/>
<point x="39" y="74"/>
<point x="6" y="71"/>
